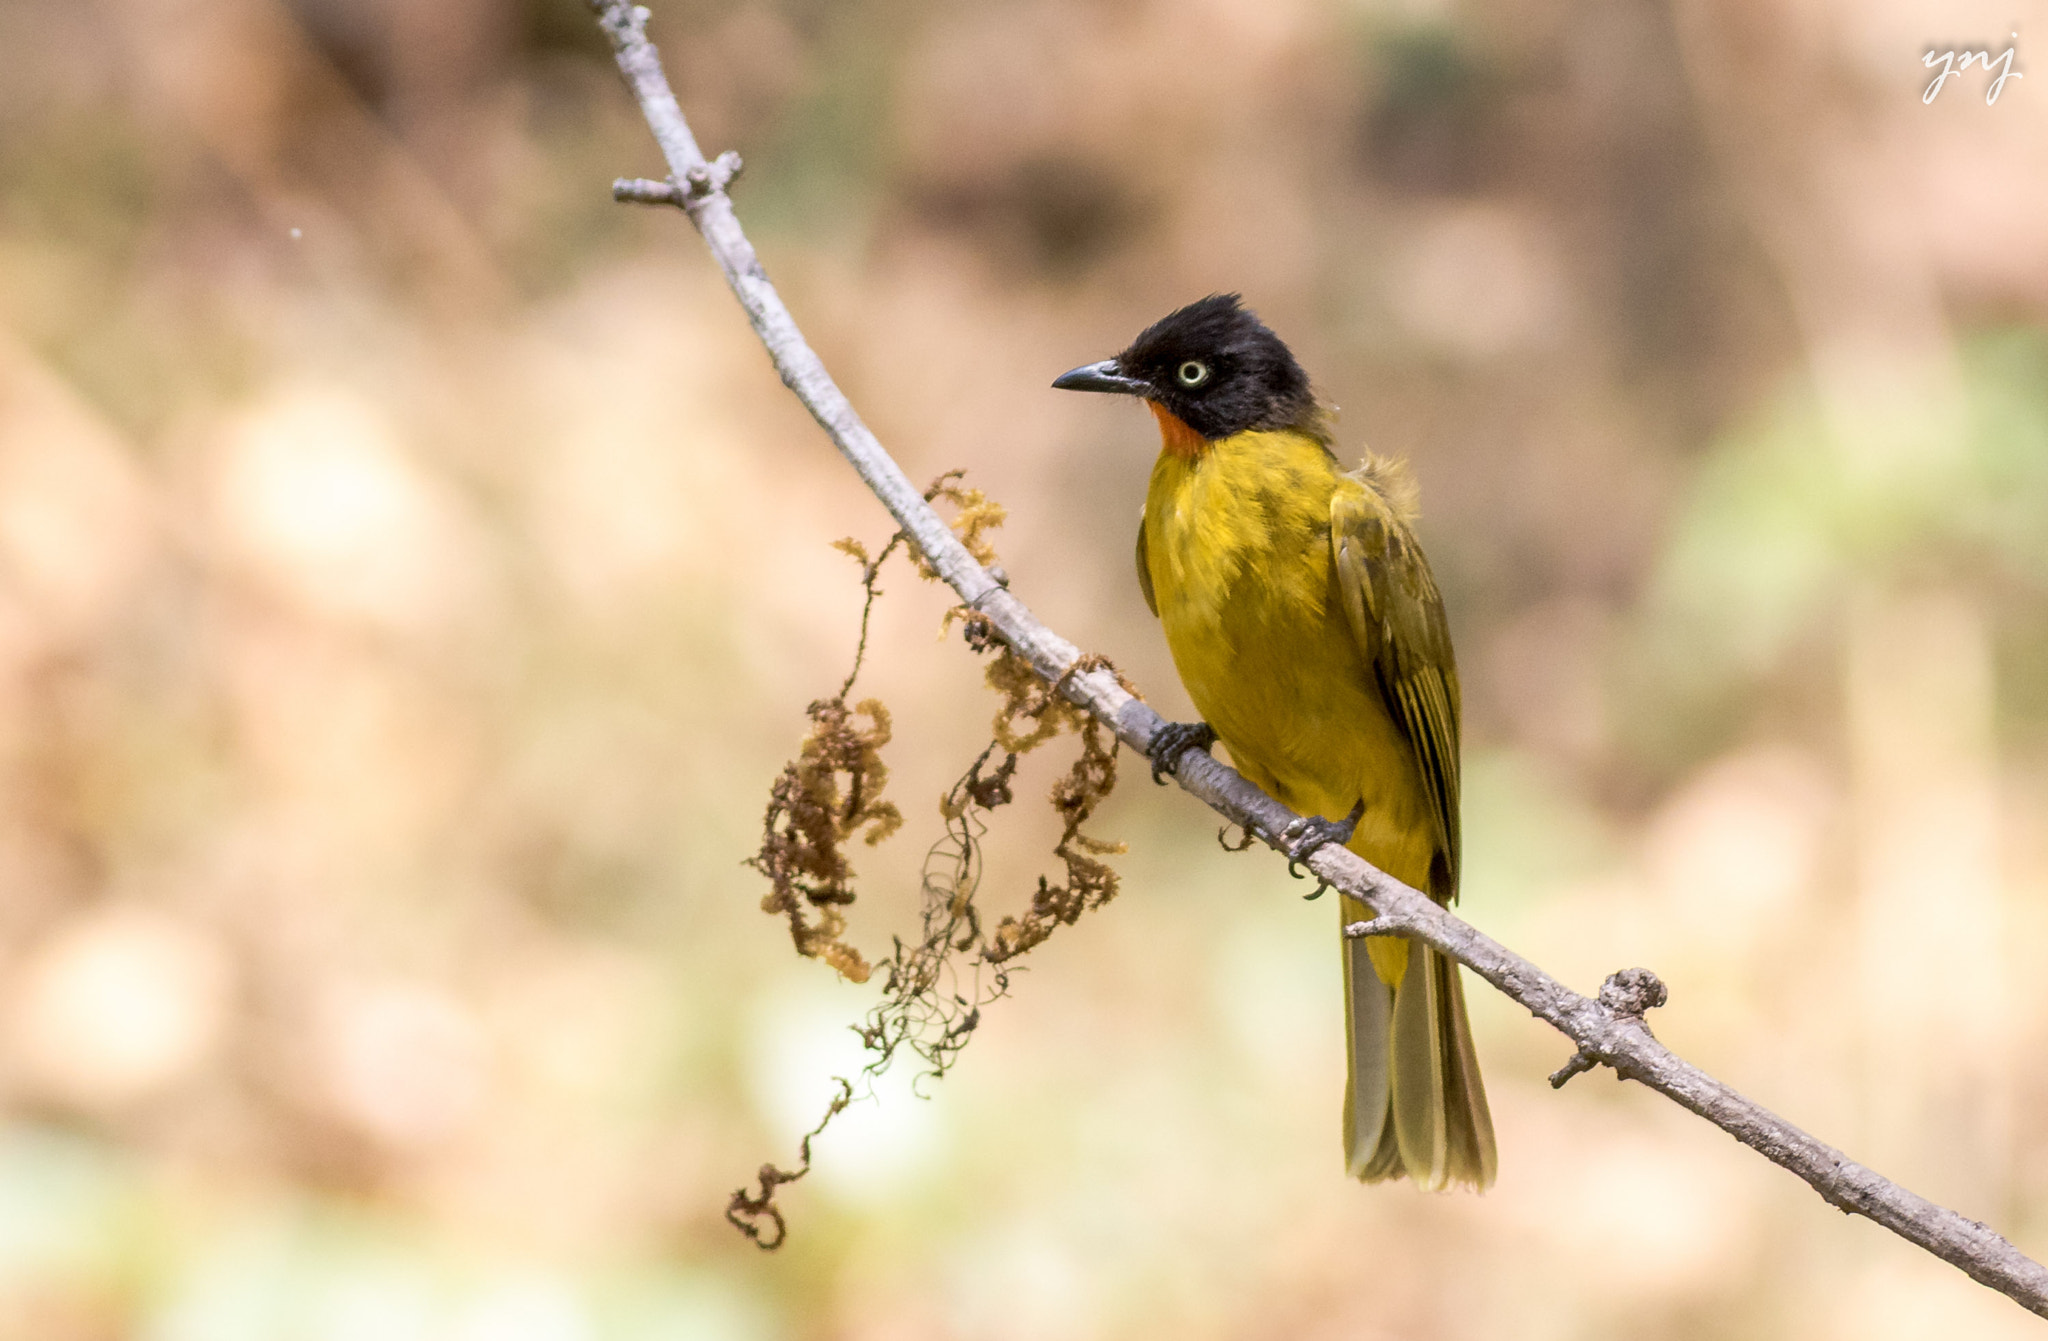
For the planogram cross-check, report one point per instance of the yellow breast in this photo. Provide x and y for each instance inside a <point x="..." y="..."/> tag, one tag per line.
<point x="1237" y="542"/>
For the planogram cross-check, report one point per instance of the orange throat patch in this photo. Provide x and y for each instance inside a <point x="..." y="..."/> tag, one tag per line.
<point x="1176" y="436"/>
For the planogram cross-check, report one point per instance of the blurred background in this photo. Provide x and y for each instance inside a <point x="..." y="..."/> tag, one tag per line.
<point x="412" y="577"/>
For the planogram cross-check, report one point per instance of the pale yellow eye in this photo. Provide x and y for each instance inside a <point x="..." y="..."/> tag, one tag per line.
<point x="1192" y="373"/>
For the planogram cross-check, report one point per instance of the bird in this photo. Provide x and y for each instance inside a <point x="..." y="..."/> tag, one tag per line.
<point x="1310" y="635"/>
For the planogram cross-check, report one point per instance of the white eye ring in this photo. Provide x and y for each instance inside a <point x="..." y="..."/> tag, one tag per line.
<point x="1192" y="373"/>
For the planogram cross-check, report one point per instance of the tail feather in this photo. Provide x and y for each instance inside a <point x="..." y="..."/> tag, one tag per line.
<point x="1474" y="1159"/>
<point x="1368" y="1020"/>
<point x="1414" y="1105"/>
<point x="1420" y="1115"/>
<point x="1385" y="1162"/>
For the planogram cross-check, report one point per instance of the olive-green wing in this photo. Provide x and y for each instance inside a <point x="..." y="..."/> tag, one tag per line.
<point x="1395" y="613"/>
<point x="1145" y="571"/>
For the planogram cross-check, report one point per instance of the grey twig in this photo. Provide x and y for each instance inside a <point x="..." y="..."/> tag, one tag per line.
<point x="645" y="191"/>
<point x="1577" y="1062"/>
<point x="1608" y="1032"/>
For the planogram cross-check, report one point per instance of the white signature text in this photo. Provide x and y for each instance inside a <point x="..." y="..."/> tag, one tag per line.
<point x="1954" y="63"/>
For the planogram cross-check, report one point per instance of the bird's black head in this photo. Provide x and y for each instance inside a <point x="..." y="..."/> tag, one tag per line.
<point x="1214" y="366"/>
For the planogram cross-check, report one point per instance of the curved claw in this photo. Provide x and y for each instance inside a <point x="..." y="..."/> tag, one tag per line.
<point x="1301" y="838"/>
<point x="1173" y="740"/>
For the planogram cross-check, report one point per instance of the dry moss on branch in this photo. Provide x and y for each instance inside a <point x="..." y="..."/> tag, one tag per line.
<point x="933" y="989"/>
<point x="1090" y="882"/>
<point x="831" y="791"/>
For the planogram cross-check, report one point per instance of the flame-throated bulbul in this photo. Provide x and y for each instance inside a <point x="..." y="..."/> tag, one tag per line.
<point x="1309" y="633"/>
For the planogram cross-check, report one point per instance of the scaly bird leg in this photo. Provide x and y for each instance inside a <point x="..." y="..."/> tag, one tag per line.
<point x="1301" y="838"/>
<point x="1173" y="740"/>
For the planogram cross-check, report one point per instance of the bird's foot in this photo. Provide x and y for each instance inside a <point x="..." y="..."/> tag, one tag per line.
<point x="1300" y="839"/>
<point x="1173" y="740"/>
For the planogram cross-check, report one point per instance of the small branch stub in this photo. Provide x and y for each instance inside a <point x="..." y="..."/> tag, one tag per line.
<point x="716" y="175"/>
<point x="1629" y="993"/>
<point x="646" y="191"/>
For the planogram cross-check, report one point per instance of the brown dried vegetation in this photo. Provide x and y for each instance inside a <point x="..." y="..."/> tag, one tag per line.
<point x="933" y="989"/>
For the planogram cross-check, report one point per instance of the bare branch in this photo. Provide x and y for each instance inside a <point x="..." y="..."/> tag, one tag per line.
<point x="1608" y="1032"/>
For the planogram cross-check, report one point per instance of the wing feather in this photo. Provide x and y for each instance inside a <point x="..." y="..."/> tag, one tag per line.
<point x="1145" y="570"/>
<point x="1391" y="602"/>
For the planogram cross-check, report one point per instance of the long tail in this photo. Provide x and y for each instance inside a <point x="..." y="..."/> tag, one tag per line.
<point x="1414" y="1104"/>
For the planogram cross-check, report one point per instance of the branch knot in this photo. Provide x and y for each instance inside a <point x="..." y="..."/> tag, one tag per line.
<point x="716" y="175"/>
<point x="1633" y="992"/>
<point x="1627" y="994"/>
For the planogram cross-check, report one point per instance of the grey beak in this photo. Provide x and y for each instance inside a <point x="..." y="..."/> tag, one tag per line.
<point x="1103" y="376"/>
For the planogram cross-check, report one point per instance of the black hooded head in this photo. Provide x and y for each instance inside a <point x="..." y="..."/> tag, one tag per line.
<point x="1214" y="366"/>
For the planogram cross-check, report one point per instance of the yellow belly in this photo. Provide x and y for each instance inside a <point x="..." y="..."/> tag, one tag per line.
<point x="1238" y="547"/>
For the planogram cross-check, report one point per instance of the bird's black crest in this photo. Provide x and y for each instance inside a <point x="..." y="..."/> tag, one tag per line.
<point x="1252" y="379"/>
